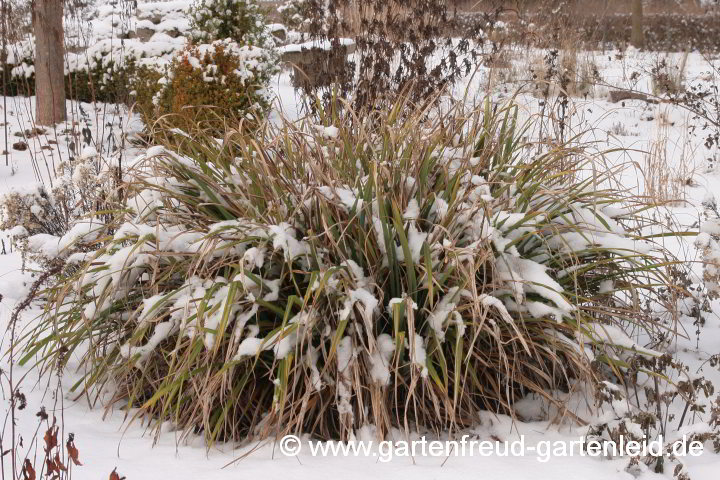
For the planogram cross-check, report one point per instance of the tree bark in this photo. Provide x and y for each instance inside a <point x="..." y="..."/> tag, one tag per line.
<point x="49" y="62"/>
<point x="637" y="37"/>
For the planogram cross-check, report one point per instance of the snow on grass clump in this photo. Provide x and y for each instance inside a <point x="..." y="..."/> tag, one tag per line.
<point x="377" y="275"/>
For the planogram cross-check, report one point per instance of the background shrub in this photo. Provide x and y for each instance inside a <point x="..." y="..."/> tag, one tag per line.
<point x="401" y="47"/>
<point x="146" y="83"/>
<point x="99" y="79"/>
<point x="303" y="15"/>
<point x="214" y="85"/>
<point x="239" y="20"/>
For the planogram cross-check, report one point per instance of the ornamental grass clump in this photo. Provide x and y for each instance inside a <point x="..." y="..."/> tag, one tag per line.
<point x="395" y="270"/>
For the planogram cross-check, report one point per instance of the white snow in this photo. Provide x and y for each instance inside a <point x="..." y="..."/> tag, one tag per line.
<point x="418" y="354"/>
<point x="314" y="45"/>
<point x="380" y="359"/>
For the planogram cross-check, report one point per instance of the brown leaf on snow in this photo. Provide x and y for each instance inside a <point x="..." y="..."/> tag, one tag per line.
<point x="51" y="438"/>
<point x="59" y="463"/>
<point x="51" y="467"/>
<point x="73" y="451"/>
<point x="115" y="476"/>
<point x="28" y="472"/>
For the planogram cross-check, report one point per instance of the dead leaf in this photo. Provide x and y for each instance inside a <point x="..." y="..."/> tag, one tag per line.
<point x="59" y="463"/>
<point x="51" y="467"/>
<point x="28" y="472"/>
<point x="115" y="476"/>
<point x="73" y="451"/>
<point x="51" y="438"/>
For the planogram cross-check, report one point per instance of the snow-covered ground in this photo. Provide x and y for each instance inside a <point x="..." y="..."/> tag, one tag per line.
<point x="633" y="127"/>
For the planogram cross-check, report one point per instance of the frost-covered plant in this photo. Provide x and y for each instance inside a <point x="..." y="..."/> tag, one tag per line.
<point x="93" y="81"/>
<point x="215" y="85"/>
<point x="640" y="412"/>
<point x="50" y="222"/>
<point x="668" y="78"/>
<point x="297" y="14"/>
<point x="394" y="270"/>
<point x="82" y="184"/>
<point x="401" y="46"/>
<point x="708" y="242"/>
<point x="32" y="212"/>
<point x="240" y="20"/>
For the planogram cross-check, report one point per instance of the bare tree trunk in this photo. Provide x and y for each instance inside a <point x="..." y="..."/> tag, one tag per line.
<point x="637" y="37"/>
<point x="3" y="59"/>
<point x="49" y="57"/>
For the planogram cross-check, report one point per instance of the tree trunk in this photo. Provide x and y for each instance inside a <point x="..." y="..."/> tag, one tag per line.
<point x="49" y="62"/>
<point x="637" y="38"/>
